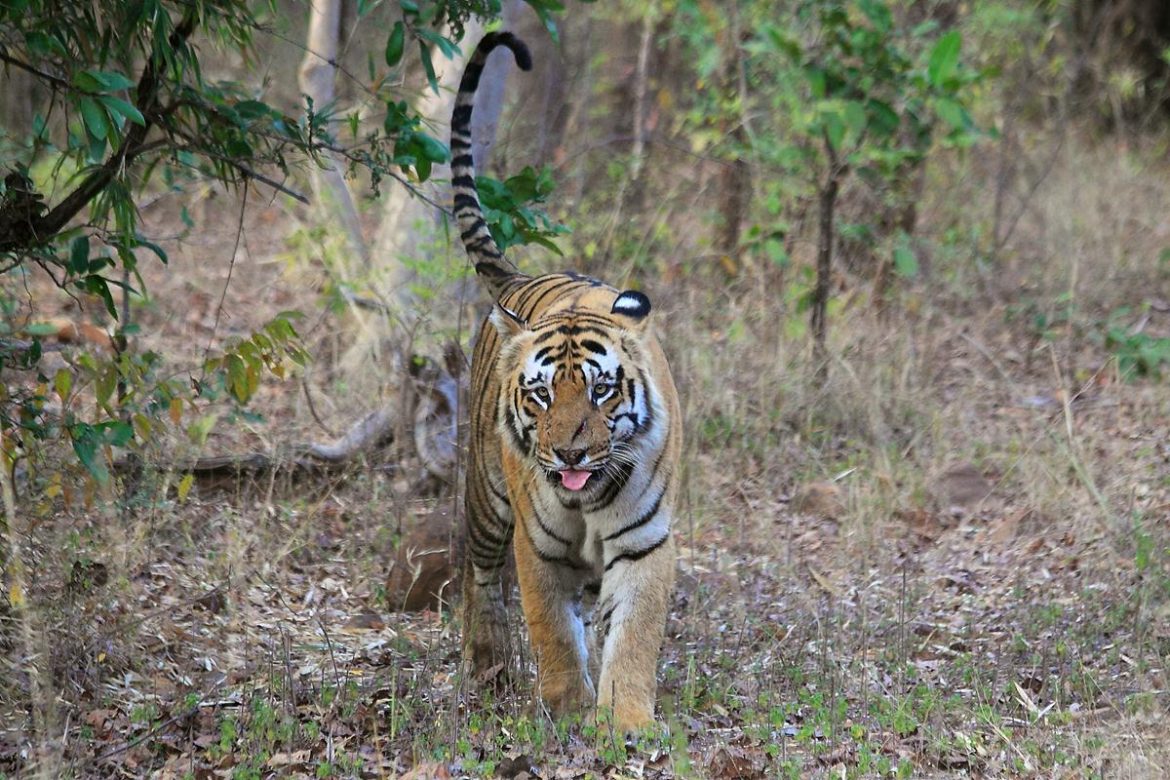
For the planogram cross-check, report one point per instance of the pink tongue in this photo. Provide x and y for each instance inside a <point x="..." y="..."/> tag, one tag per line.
<point x="574" y="480"/>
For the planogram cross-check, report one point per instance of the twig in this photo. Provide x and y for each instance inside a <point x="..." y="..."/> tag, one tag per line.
<point x="361" y="85"/>
<point x="249" y="173"/>
<point x="313" y="409"/>
<point x="56" y="81"/>
<point x="133" y="743"/>
<point x="1078" y="466"/>
<point x="246" y="171"/>
<point x="231" y="268"/>
<point x="1025" y="201"/>
<point x="982" y="350"/>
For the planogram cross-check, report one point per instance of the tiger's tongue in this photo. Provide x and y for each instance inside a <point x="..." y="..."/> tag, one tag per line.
<point x="574" y="480"/>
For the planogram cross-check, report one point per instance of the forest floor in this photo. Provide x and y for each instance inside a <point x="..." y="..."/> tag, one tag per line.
<point x="986" y="596"/>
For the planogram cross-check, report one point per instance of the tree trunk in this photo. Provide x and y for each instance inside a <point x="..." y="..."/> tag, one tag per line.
<point x="820" y="301"/>
<point x="316" y="79"/>
<point x="735" y="182"/>
<point x="626" y="200"/>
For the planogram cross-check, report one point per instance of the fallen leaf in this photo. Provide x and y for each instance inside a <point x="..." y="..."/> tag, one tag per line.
<point x="281" y="758"/>
<point x="823" y="581"/>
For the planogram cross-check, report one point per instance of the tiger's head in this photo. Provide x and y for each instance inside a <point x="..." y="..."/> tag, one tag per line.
<point x="574" y="392"/>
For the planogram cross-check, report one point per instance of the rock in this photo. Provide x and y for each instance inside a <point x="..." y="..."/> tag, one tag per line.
<point x="424" y="574"/>
<point x="962" y="486"/>
<point x="822" y="499"/>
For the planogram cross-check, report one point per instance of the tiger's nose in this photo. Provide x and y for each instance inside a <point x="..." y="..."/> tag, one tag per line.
<point x="571" y="457"/>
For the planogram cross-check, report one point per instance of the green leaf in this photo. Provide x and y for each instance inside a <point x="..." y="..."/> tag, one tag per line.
<point x="252" y="109"/>
<point x="444" y="45"/>
<point x="784" y="42"/>
<point x="116" y="432"/>
<point x="94" y="118"/>
<point x="816" y="81"/>
<point x="43" y="45"/>
<point x="953" y="113"/>
<point x="185" y="486"/>
<point x="834" y="128"/>
<point x="776" y="252"/>
<point x="428" y="66"/>
<point x="237" y="376"/>
<point x="544" y="242"/>
<point x="397" y="118"/>
<point x="423" y="168"/>
<point x="944" y="59"/>
<point x="119" y="107"/>
<point x="855" y="118"/>
<point x="395" y="44"/>
<point x="85" y="444"/>
<point x="63" y="383"/>
<point x="199" y="430"/>
<point x="79" y="255"/>
<point x="100" y="287"/>
<point x="431" y="149"/>
<point x="545" y="10"/>
<point x="104" y="385"/>
<point x="85" y="81"/>
<point x="905" y="261"/>
<point x="95" y="148"/>
<point x="882" y="118"/>
<point x="111" y="81"/>
<point x="878" y="13"/>
<point x="41" y="329"/>
<point x="158" y="251"/>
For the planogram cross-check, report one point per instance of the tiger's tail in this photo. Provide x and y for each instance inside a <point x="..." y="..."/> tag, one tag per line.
<point x="490" y="265"/>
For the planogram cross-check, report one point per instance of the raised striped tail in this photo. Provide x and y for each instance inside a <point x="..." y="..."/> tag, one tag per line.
<point x="490" y="264"/>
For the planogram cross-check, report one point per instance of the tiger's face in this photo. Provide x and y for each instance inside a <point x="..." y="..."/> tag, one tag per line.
<point x="575" y="395"/>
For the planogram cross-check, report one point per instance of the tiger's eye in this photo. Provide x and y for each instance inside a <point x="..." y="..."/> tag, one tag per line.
<point x="542" y="393"/>
<point x="600" y="389"/>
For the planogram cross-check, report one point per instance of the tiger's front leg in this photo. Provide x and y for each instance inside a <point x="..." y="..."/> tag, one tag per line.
<point x="631" y="619"/>
<point x="549" y="595"/>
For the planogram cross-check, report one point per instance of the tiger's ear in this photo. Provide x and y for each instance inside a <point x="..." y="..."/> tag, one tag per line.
<point x="633" y="305"/>
<point x="507" y="322"/>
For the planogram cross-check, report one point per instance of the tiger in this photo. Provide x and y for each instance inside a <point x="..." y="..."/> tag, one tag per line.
<point x="573" y="458"/>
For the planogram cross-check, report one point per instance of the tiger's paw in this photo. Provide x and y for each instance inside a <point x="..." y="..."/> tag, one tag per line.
<point x="487" y="649"/>
<point x="486" y="660"/>
<point x="567" y="698"/>
<point x="626" y="720"/>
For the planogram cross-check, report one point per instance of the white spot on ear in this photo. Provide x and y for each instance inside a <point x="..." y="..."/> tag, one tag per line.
<point x="632" y="303"/>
